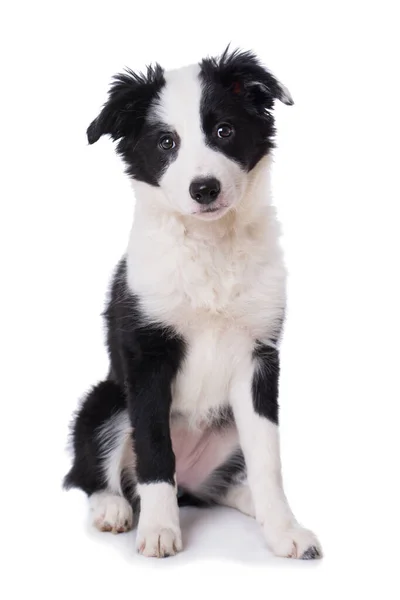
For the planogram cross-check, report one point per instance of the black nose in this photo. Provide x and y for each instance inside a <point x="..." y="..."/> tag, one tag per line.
<point x="205" y="190"/>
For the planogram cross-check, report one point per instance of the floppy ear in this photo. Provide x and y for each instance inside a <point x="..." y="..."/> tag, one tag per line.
<point x="242" y="74"/>
<point x="128" y="100"/>
<point x="269" y="87"/>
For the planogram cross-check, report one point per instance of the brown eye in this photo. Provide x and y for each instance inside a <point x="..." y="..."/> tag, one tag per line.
<point x="224" y="130"/>
<point x="167" y="142"/>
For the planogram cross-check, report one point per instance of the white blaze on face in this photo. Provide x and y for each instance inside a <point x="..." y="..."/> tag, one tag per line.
<point x="179" y="108"/>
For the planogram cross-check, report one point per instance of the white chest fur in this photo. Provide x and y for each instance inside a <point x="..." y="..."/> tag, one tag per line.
<point x="221" y="285"/>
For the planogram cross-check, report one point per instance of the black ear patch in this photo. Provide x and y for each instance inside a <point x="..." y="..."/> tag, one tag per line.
<point x="124" y="118"/>
<point x="241" y="72"/>
<point x="128" y="101"/>
<point x="238" y="90"/>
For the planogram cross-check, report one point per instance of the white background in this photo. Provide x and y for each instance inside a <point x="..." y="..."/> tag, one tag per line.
<point x="66" y="210"/>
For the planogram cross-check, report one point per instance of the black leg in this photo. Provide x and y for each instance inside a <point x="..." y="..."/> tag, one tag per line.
<point x="150" y="366"/>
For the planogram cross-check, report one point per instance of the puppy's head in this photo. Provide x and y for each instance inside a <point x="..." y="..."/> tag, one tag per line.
<point x="194" y="133"/>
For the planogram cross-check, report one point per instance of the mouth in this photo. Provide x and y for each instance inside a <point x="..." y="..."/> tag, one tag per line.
<point x="211" y="212"/>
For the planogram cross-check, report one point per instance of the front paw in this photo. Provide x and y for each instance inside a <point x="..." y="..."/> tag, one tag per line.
<point x="294" y="542"/>
<point x="159" y="542"/>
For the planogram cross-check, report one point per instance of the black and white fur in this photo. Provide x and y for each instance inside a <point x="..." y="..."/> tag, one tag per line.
<point x="189" y="409"/>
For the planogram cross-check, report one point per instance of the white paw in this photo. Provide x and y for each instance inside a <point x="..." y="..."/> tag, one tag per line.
<point x="111" y="512"/>
<point x="295" y="542"/>
<point x="159" y="541"/>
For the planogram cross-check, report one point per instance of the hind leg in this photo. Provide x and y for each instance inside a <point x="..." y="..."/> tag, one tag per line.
<point x="239" y="497"/>
<point x="111" y="512"/>
<point x="104" y="465"/>
<point x="110" y="508"/>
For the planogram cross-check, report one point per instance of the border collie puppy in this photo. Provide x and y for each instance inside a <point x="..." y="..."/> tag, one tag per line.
<point x="188" y="413"/>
